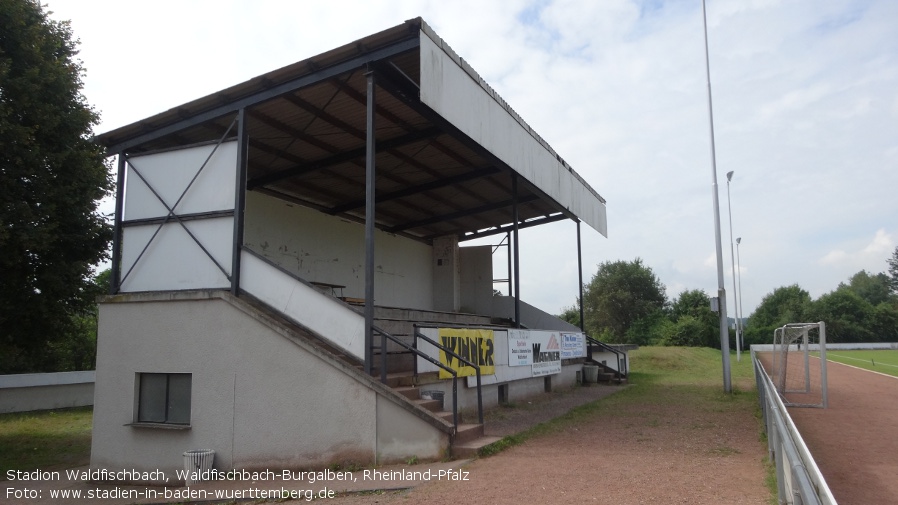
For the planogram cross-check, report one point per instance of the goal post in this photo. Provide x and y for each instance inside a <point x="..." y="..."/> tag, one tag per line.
<point x="799" y="364"/>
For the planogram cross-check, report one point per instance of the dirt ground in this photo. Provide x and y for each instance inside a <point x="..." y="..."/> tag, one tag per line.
<point x="667" y="453"/>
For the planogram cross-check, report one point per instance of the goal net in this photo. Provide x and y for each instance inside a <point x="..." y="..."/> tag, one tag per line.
<point x="799" y="364"/>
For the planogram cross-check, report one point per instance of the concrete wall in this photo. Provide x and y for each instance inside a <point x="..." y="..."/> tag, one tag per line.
<point x="45" y="391"/>
<point x="261" y="397"/>
<point x="531" y="317"/>
<point x="322" y="248"/>
<point x="476" y="275"/>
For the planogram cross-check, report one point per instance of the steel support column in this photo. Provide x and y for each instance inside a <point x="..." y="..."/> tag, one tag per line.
<point x="510" y="283"/>
<point x="369" y="225"/>
<point x="517" y="257"/>
<point x="580" y="276"/>
<point x="239" y="198"/>
<point x="116" y="273"/>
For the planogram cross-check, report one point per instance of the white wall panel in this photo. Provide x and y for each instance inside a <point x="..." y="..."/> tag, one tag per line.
<point x="324" y="315"/>
<point x="453" y="93"/>
<point x="173" y="260"/>
<point x="170" y="172"/>
<point x="321" y="248"/>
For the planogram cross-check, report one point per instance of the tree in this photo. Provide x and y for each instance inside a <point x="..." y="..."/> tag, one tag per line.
<point x="571" y="314"/>
<point x="784" y="305"/>
<point x="695" y="323"/>
<point x="52" y="176"/>
<point x="618" y="295"/>
<point x="788" y="304"/>
<point x="873" y="288"/>
<point x="893" y="271"/>
<point x="848" y="317"/>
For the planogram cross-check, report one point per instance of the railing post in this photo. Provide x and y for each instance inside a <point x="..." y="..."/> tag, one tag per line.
<point x="479" y="398"/>
<point x="455" y="400"/>
<point x="383" y="357"/>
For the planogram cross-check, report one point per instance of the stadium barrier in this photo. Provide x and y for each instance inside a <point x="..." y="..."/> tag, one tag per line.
<point x="45" y="391"/>
<point x="799" y="481"/>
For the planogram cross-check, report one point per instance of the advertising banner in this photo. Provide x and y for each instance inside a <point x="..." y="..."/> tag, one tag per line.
<point x="539" y="349"/>
<point x="476" y="346"/>
<point x="520" y="352"/>
<point x="573" y="345"/>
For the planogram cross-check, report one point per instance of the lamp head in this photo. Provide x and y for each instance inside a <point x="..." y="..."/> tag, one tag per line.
<point x="730" y="175"/>
<point x="738" y="240"/>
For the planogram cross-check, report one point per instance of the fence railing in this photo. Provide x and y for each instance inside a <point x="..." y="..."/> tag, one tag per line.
<point x="799" y="481"/>
<point x="621" y="356"/>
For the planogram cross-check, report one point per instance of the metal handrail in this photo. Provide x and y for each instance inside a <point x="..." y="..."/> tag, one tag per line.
<point x="808" y="484"/>
<point x="621" y="357"/>
<point x="384" y="336"/>
<point x="418" y="334"/>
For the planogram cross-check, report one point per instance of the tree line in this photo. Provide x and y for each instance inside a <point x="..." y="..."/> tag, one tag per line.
<point x="625" y="302"/>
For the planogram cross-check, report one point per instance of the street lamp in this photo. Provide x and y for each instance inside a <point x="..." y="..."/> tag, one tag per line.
<point x="733" y="261"/>
<point x="721" y="291"/>
<point x="739" y="269"/>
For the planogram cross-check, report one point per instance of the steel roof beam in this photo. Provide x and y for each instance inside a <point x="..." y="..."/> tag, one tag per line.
<point x="460" y="214"/>
<point x="505" y="228"/>
<point x="347" y="156"/>
<point x="440" y="183"/>
<point x="268" y="94"/>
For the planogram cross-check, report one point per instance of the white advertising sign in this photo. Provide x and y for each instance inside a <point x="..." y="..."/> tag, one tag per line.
<point x="573" y="345"/>
<point x="520" y="352"/>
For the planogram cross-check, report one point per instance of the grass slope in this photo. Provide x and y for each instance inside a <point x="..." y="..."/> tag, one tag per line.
<point x="45" y="440"/>
<point x="882" y="361"/>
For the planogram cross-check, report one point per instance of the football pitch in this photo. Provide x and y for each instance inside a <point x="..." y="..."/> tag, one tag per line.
<point x="883" y="361"/>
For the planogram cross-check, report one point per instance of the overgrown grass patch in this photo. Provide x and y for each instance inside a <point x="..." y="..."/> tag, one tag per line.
<point x="47" y="439"/>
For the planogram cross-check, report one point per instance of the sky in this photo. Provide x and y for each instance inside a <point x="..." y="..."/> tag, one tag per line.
<point x="805" y="113"/>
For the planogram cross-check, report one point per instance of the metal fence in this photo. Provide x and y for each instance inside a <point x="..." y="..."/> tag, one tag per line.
<point x="798" y="479"/>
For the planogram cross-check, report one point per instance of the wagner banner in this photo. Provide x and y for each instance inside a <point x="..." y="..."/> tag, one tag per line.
<point x="538" y="349"/>
<point x="476" y="346"/>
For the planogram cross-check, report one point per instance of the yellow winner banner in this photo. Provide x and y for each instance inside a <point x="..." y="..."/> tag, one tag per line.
<point x="476" y="346"/>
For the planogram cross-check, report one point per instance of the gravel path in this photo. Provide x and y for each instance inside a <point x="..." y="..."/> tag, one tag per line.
<point x="669" y="452"/>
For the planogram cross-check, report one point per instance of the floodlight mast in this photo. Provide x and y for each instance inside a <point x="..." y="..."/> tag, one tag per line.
<point x="733" y="262"/>
<point x="739" y="276"/>
<point x="721" y="291"/>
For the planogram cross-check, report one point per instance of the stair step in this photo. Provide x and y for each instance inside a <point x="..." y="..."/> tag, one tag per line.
<point x="428" y="378"/>
<point x="431" y="405"/>
<point x="471" y="448"/>
<point x="467" y="433"/>
<point x="446" y="415"/>
<point x="410" y="392"/>
<point x="400" y="379"/>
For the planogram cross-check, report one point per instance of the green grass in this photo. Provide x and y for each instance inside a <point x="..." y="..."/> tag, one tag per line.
<point x="883" y="361"/>
<point x="46" y="440"/>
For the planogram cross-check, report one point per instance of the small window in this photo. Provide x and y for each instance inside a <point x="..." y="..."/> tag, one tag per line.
<point x="164" y="398"/>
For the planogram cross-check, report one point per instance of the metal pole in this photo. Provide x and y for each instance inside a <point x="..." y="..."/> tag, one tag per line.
<point x="369" y="224"/>
<point x="116" y="273"/>
<point x="733" y="262"/>
<point x="239" y="198"/>
<point x="510" y="284"/>
<point x="517" y="257"/>
<point x="741" y="329"/>
<point x="580" y="274"/>
<point x="721" y="291"/>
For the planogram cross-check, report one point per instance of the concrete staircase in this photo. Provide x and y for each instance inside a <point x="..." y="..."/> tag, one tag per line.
<point x="467" y="440"/>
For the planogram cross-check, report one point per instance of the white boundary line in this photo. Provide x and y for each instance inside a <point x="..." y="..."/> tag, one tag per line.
<point x="864" y="360"/>
<point x="864" y="369"/>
